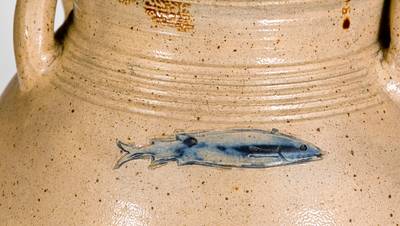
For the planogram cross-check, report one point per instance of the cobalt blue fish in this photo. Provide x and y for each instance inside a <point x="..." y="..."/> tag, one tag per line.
<point x="242" y="148"/>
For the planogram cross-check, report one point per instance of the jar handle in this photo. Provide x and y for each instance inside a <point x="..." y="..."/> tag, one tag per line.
<point x="390" y="76"/>
<point x="35" y="46"/>
<point x="394" y="50"/>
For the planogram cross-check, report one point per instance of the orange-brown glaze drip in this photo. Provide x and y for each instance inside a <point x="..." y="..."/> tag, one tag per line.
<point x="126" y="2"/>
<point x="166" y="12"/>
<point x="346" y="23"/>
<point x="170" y="13"/>
<point x="346" y="14"/>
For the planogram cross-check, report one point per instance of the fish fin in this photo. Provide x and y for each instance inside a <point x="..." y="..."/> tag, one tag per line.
<point x="221" y="167"/>
<point x="182" y="136"/>
<point x="275" y="131"/>
<point x="280" y="155"/>
<point x="181" y="162"/>
<point x="157" y="163"/>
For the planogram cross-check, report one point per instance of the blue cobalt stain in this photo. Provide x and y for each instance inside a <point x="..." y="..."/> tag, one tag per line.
<point x="243" y="148"/>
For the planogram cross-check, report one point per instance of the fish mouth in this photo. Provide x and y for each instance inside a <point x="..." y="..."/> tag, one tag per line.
<point x="318" y="156"/>
<point x="321" y="153"/>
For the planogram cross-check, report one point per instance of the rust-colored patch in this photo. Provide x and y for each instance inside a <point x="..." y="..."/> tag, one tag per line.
<point x="346" y="23"/>
<point x="126" y="2"/>
<point x="170" y="13"/>
<point x="166" y="12"/>
<point x="346" y="14"/>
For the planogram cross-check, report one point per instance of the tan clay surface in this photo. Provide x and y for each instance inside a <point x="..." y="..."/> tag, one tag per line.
<point x="135" y="70"/>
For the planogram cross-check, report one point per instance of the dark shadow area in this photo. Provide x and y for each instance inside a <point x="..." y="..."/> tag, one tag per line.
<point x="384" y="29"/>
<point x="63" y="30"/>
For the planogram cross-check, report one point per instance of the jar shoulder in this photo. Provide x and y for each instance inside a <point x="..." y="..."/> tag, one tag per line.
<point x="58" y="154"/>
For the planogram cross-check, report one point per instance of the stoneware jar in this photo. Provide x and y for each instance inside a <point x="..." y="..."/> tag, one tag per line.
<point x="203" y="112"/>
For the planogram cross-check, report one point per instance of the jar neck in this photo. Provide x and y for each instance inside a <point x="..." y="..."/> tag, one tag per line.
<point x="229" y="33"/>
<point x="219" y="62"/>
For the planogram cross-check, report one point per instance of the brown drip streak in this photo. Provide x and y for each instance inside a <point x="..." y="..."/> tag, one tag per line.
<point x="346" y="14"/>
<point x="126" y="2"/>
<point x="169" y="13"/>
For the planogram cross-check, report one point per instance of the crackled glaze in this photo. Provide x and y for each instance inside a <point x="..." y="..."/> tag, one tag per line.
<point x="323" y="71"/>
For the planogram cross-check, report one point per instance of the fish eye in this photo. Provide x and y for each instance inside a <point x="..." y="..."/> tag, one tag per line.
<point x="190" y="141"/>
<point x="303" y="147"/>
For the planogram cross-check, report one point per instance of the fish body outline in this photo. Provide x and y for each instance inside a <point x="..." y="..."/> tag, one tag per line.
<point x="241" y="148"/>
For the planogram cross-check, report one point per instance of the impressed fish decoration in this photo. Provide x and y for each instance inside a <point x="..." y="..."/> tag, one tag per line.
<point x="242" y="148"/>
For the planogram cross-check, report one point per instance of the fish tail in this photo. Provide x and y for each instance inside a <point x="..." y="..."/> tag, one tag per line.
<point x="131" y="152"/>
<point x="127" y="148"/>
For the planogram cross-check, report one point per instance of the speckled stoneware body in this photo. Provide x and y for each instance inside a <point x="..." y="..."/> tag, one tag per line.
<point x="135" y="70"/>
